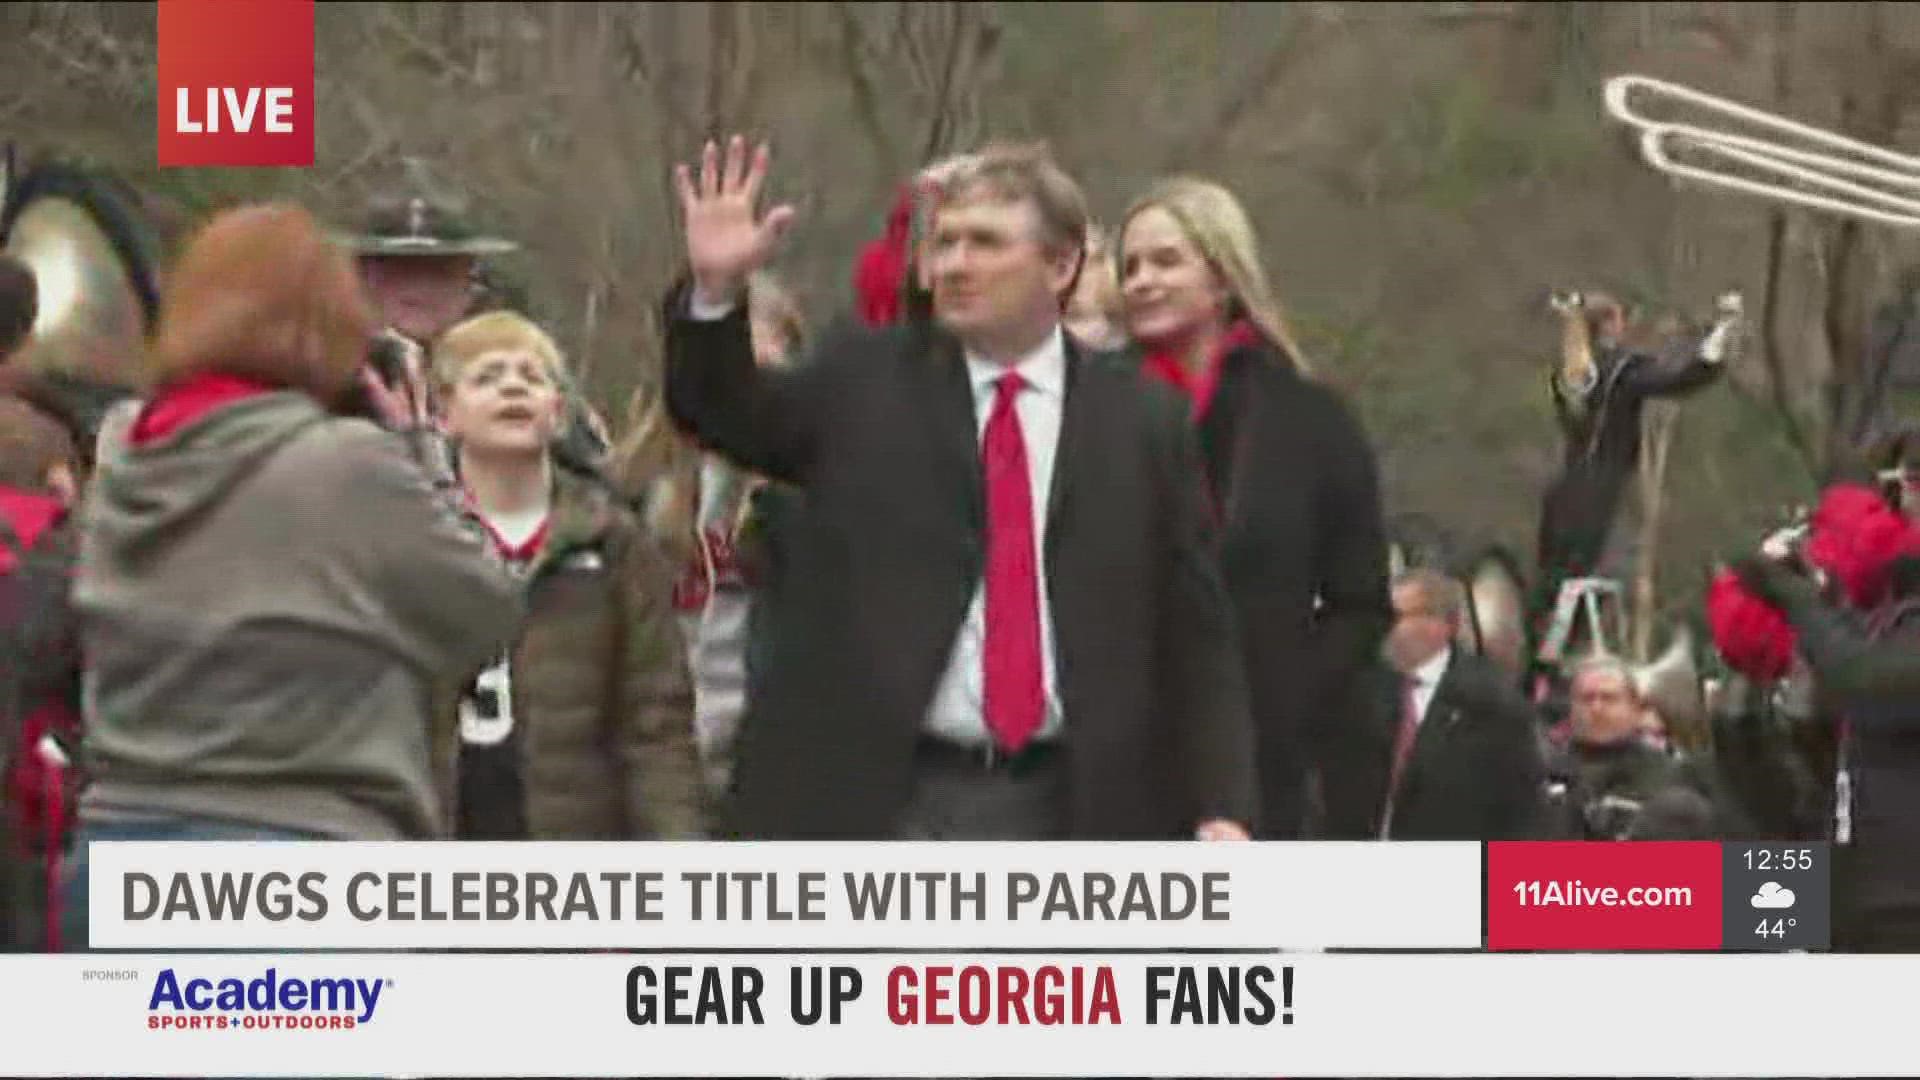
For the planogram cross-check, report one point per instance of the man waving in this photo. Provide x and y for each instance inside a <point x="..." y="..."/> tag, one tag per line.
<point x="1006" y="620"/>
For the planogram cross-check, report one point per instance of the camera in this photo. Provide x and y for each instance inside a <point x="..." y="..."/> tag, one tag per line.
<point x="387" y="355"/>
<point x="1611" y="817"/>
<point x="1788" y="547"/>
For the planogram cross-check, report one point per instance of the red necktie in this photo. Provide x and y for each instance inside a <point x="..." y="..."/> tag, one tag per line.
<point x="1015" y="694"/>
<point x="1409" y="730"/>
<point x="1402" y="749"/>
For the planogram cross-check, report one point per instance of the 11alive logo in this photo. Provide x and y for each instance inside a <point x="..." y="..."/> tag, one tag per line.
<point x="236" y="82"/>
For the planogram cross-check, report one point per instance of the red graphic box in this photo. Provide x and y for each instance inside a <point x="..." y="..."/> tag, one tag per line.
<point x="236" y="82"/>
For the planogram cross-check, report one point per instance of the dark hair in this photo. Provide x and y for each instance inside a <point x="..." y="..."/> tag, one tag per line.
<point x="31" y="445"/>
<point x="19" y="303"/>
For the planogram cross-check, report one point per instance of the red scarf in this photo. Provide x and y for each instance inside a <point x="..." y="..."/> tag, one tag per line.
<point x="1169" y="368"/>
<point x="28" y="514"/>
<point x="188" y="400"/>
<point x="516" y="554"/>
<point x="520" y="553"/>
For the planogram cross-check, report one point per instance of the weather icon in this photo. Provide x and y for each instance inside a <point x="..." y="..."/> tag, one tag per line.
<point x="1773" y="895"/>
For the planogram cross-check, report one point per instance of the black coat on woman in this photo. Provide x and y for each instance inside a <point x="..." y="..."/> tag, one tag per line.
<point x="1304" y="554"/>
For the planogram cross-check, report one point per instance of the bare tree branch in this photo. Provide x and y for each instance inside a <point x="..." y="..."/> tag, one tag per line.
<point x="1773" y="332"/>
<point x="1204" y="138"/>
<point x="856" y="53"/>
<point x="443" y="62"/>
<point x="940" y="129"/>
<point x="661" y="78"/>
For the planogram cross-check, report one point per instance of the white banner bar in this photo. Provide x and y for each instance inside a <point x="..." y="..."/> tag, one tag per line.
<point x="297" y="896"/>
<point x="420" y="1015"/>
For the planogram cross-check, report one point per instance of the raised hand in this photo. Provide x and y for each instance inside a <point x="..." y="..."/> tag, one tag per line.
<point x="726" y="239"/>
<point x="1220" y="829"/>
<point x="391" y="407"/>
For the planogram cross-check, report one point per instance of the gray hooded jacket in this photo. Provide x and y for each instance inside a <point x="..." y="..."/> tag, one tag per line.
<point x="268" y="595"/>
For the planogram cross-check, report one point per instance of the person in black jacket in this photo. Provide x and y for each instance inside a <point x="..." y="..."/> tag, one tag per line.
<point x="971" y="645"/>
<point x="1463" y="756"/>
<point x="722" y="528"/>
<point x="1600" y="391"/>
<point x="1866" y="666"/>
<point x="1292" y="481"/>
<point x="39" y="667"/>
<point x="1608" y="772"/>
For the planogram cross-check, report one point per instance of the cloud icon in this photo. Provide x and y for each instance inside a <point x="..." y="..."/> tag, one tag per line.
<point x="1773" y="895"/>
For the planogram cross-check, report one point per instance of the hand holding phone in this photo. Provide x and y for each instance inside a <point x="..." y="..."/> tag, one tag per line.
<point x="397" y="366"/>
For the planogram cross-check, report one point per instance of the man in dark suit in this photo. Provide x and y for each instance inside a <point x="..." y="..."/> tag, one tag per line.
<point x="1466" y="761"/>
<point x="1004" y="619"/>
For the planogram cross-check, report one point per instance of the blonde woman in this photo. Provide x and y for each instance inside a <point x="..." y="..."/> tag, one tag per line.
<point x="1294" y="488"/>
<point x="721" y="526"/>
<point x="1094" y="314"/>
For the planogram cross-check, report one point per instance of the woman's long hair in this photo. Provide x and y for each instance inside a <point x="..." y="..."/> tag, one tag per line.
<point x="1215" y="222"/>
<point x="261" y="292"/>
<point x="659" y="466"/>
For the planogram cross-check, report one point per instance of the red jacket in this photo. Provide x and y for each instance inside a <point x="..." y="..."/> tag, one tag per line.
<point x="35" y="786"/>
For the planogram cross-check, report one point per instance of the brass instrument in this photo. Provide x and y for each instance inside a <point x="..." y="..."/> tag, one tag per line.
<point x="93" y="263"/>
<point x="1496" y="618"/>
<point x="1589" y="622"/>
<point x="1843" y="176"/>
<point x="1671" y="686"/>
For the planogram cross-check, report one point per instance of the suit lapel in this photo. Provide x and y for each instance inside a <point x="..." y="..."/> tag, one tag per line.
<point x="1443" y="712"/>
<point x="953" y="425"/>
<point x="1076" y="412"/>
<point x="952" y="422"/>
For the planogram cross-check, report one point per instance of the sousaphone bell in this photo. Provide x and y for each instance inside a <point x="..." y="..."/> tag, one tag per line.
<point x="93" y="258"/>
<point x="1496" y="619"/>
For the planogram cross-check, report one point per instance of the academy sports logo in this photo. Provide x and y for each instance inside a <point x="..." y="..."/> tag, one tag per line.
<point x="267" y="1002"/>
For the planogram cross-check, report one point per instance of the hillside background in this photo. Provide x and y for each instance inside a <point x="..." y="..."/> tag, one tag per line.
<point x="1421" y="174"/>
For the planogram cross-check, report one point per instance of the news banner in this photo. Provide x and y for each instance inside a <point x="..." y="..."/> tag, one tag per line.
<point x="901" y="959"/>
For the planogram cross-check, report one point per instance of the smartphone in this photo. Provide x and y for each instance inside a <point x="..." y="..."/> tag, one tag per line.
<point x="387" y="356"/>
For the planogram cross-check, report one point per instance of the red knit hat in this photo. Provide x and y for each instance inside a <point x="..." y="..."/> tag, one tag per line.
<point x="880" y="274"/>
<point x="1856" y="537"/>
<point x="1753" y="638"/>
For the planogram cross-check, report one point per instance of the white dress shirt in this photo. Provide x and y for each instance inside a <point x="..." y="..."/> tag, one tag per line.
<point x="1426" y="680"/>
<point x="958" y="710"/>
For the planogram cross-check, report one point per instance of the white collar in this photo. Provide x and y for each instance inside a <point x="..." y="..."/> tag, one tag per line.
<point x="1044" y="369"/>
<point x="1428" y="675"/>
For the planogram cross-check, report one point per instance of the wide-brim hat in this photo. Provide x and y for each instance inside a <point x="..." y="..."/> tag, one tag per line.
<point x="417" y="225"/>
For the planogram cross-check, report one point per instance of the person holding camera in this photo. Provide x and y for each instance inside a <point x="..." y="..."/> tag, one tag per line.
<point x="1848" y="590"/>
<point x="1607" y="773"/>
<point x="1600" y="389"/>
<point x="425" y="267"/>
<point x="273" y="577"/>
